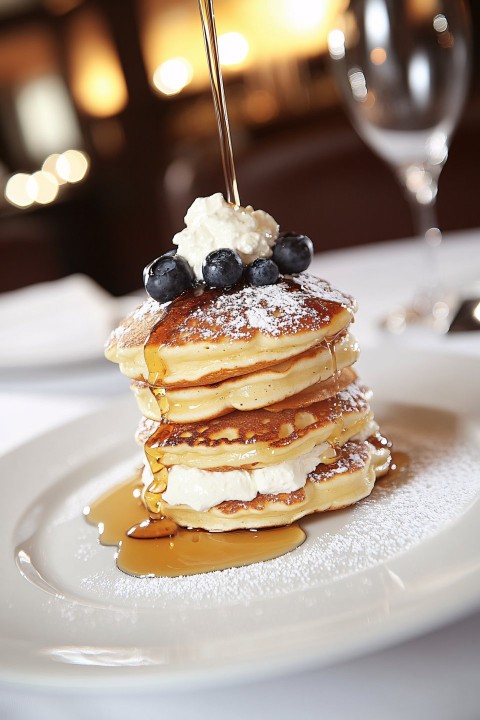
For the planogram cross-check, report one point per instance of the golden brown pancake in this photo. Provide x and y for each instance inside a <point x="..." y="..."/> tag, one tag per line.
<point x="257" y="438"/>
<point x="209" y="335"/>
<point x="249" y="378"/>
<point x="328" y="487"/>
<point x="249" y="392"/>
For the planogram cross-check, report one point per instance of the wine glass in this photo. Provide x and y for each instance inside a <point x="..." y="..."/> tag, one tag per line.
<point x="402" y="67"/>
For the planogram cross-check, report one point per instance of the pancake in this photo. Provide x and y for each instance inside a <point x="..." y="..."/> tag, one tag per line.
<point x="328" y="487"/>
<point x="208" y="335"/>
<point x="248" y="392"/>
<point x="257" y="438"/>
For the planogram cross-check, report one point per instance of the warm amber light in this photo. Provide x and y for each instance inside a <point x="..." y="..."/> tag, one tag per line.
<point x="42" y="187"/>
<point x="98" y="83"/>
<point x="232" y="48"/>
<point x="250" y="33"/>
<point x="16" y="191"/>
<point x="305" y="15"/>
<point x="378" y="55"/>
<point x="72" y="166"/>
<point x="260" y="106"/>
<point x="50" y="166"/>
<point x="422" y="10"/>
<point x="173" y="75"/>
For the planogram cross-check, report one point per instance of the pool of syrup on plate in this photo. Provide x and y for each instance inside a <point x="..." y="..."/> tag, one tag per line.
<point x="158" y="547"/>
<point x="152" y="545"/>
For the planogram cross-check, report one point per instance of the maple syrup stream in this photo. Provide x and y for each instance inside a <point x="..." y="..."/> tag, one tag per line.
<point x="218" y="93"/>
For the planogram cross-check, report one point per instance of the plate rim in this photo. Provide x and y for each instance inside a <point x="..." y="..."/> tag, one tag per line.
<point x="120" y="678"/>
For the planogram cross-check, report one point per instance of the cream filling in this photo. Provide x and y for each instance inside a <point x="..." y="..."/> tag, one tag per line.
<point x="339" y="491"/>
<point x="203" y="489"/>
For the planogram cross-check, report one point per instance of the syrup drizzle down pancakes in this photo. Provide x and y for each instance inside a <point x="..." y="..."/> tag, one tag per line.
<point x="331" y="486"/>
<point x="209" y="335"/>
<point x="260" y="437"/>
<point x="254" y="390"/>
<point x="252" y="412"/>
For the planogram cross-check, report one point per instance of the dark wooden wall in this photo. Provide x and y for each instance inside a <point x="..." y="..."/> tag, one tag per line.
<point x="311" y="172"/>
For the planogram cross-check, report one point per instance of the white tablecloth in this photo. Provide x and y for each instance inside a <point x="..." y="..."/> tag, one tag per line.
<point x="434" y="676"/>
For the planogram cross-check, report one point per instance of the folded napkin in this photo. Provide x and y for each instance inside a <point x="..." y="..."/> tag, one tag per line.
<point x="58" y="322"/>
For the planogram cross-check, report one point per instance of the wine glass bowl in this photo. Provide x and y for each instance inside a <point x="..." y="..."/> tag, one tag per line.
<point x="402" y="70"/>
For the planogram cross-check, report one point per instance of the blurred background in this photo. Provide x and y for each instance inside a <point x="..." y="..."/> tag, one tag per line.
<point x="108" y="133"/>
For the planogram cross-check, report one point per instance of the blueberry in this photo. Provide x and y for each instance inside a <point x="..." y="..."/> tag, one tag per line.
<point x="262" y="272"/>
<point x="222" y="268"/>
<point x="293" y="253"/>
<point x="167" y="277"/>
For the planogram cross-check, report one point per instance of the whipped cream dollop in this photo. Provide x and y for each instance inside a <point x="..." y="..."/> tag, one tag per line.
<point x="212" y="223"/>
<point x="203" y="489"/>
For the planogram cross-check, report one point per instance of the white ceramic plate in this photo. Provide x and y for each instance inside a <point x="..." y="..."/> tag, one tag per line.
<point x="399" y="563"/>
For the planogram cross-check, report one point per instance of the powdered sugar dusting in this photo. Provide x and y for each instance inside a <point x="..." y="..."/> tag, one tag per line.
<point x="136" y="326"/>
<point x="311" y="284"/>
<point x="272" y="309"/>
<point x="292" y="305"/>
<point x="401" y="513"/>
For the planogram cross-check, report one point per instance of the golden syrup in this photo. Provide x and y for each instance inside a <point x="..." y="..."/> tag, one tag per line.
<point x="218" y="94"/>
<point x="156" y="372"/>
<point x="158" y="547"/>
<point x="334" y="440"/>
<point x="400" y="461"/>
<point x="156" y="366"/>
<point x="153" y="528"/>
<point x="153" y="455"/>
<point x="163" y="402"/>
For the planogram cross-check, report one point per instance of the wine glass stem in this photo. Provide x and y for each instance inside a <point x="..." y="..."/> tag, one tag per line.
<point x="426" y="228"/>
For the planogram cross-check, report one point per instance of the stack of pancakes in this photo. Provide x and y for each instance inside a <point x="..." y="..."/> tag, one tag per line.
<point x="243" y="383"/>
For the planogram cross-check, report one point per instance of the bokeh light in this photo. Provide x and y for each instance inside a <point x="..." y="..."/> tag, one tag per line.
<point x="233" y="48"/>
<point x="97" y="79"/>
<point x="305" y="15"/>
<point x="42" y="187"/>
<point x="173" y="75"/>
<point x="72" y="166"/>
<point x="336" y="44"/>
<point x="16" y="190"/>
<point x="50" y="166"/>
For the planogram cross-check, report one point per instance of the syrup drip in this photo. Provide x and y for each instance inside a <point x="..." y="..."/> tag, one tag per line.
<point x="335" y="439"/>
<point x="159" y="471"/>
<point x="158" y="547"/>
<point x="156" y="372"/>
<point x="156" y="366"/>
<point x="153" y="528"/>
<point x="400" y="461"/>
